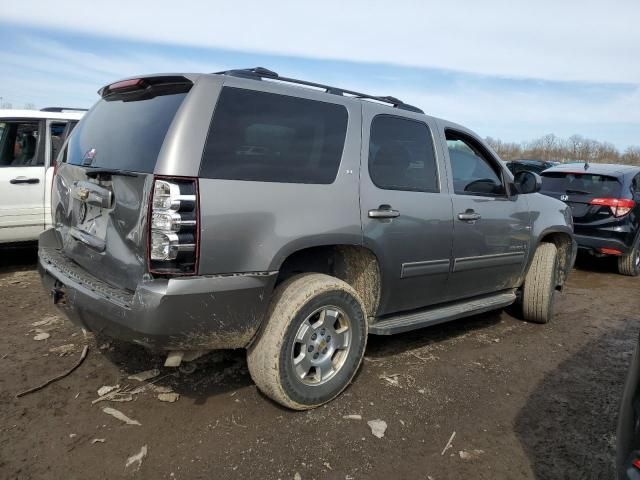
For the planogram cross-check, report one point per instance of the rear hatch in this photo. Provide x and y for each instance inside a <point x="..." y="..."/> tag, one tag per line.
<point x="102" y="186"/>
<point x="592" y="197"/>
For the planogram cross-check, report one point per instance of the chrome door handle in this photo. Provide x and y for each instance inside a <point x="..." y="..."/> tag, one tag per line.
<point x="384" y="211"/>
<point x="469" y="216"/>
<point x="17" y="180"/>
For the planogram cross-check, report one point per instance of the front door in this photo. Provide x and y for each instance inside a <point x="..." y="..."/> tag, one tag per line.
<point x="491" y="228"/>
<point x="22" y="180"/>
<point x="406" y="212"/>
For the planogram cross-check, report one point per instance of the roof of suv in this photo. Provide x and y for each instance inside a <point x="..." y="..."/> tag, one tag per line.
<point x="260" y="74"/>
<point x="66" y="115"/>
<point x="614" y="169"/>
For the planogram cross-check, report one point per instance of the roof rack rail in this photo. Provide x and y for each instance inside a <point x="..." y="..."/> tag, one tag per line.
<point x="258" y="73"/>
<point x="63" y="109"/>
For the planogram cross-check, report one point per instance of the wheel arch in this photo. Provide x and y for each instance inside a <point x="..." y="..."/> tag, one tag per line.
<point x="354" y="264"/>
<point x="563" y="239"/>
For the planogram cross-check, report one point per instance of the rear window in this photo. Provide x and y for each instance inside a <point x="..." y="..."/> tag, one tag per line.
<point x="581" y="184"/>
<point x="266" y="137"/>
<point x="401" y="155"/>
<point x="126" y="132"/>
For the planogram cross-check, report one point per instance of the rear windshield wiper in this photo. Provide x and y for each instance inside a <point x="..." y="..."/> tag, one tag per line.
<point x="94" y="172"/>
<point x="578" y="192"/>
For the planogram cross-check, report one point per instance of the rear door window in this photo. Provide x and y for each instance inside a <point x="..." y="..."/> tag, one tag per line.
<point x="126" y="132"/>
<point x="19" y="144"/>
<point x="266" y="137"/>
<point x="581" y="184"/>
<point x="401" y="155"/>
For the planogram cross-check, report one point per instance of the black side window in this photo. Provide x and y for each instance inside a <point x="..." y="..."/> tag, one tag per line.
<point x="401" y="155"/>
<point x="473" y="172"/>
<point x="19" y="144"/>
<point x="266" y="137"/>
<point x="635" y="185"/>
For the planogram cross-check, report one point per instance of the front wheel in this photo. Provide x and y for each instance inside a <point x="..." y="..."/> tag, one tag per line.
<point x="312" y="342"/>
<point x="629" y="264"/>
<point x="540" y="284"/>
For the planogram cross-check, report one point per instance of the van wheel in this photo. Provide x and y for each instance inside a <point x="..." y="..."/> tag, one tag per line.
<point x="312" y="342"/>
<point x="540" y="284"/>
<point x="629" y="264"/>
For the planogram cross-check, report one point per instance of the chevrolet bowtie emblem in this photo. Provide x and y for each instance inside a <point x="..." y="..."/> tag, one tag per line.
<point x="83" y="193"/>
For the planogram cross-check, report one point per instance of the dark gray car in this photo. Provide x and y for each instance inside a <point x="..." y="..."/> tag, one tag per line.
<point x="244" y="210"/>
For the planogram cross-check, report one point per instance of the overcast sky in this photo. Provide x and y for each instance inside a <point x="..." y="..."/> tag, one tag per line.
<point x="508" y="69"/>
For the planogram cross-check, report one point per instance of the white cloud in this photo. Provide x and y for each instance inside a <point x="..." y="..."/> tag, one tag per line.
<point x="570" y="40"/>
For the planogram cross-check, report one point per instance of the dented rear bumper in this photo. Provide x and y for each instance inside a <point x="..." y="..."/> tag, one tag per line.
<point x="187" y="313"/>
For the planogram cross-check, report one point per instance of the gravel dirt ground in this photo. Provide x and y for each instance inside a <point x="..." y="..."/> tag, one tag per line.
<point x="524" y="400"/>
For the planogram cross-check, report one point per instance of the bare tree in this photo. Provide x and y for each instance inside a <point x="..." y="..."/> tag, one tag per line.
<point x="575" y="148"/>
<point x="631" y="155"/>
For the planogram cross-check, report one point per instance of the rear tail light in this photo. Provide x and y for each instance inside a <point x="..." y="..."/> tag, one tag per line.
<point x="173" y="226"/>
<point x="619" y="206"/>
<point x="610" y="251"/>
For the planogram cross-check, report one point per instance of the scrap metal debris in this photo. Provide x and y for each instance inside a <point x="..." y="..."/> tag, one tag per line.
<point x="120" y="416"/>
<point x="448" y="445"/>
<point x="119" y="394"/>
<point x="391" y="379"/>
<point x="470" y="455"/>
<point x="102" y="391"/>
<point x="168" y="397"/>
<point x="378" y="427"/>
<point x="146" y="375"/>
<point x="137" y="458"/>
<point x="46" y="321"/>
<point x="83" y="355"/>
<point x="63" y="350"/>
<point x="352" y="417"/>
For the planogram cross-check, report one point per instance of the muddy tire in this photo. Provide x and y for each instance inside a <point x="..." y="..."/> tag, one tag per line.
<point x="629" y="264"/>
<point x="312" y="341"/>
<point x="540" y="284"/>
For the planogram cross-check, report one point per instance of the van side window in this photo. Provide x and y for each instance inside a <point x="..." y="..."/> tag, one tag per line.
<point x="401" y="155"/>
<point x="57" y="130"/>
<point x="266" y="137"/>
<point x="19" y="144"/>
<point x="473" y="172"/>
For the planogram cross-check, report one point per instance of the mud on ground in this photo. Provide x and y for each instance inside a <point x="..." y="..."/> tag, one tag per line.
<point x="524" y="400"/>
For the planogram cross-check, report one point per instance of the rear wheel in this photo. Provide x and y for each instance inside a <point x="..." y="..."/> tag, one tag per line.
<point x="629" y="264"/>
<point x="312" y="342"/>
<point x="540" y="284"/>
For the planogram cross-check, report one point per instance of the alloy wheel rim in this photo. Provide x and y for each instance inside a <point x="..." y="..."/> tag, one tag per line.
<point x="321" y="345"/>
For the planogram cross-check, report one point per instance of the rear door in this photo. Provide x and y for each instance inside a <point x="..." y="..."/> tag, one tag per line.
<point x="22" y="179"/>
<point x="406" y="208"/>
<point x="491" y="228"/>
<point x="102" y="185"/>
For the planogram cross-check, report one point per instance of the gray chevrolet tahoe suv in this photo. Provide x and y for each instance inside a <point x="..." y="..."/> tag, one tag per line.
<point x="247" y="210"/>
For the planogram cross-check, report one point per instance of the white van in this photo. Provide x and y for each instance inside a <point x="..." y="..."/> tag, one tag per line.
<point x="29" y="144"/>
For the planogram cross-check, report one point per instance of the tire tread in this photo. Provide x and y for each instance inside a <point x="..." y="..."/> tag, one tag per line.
<point x="539" y="284"/>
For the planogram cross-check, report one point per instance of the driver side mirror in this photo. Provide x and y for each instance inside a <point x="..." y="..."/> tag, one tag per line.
<point x="527" y="182"/>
